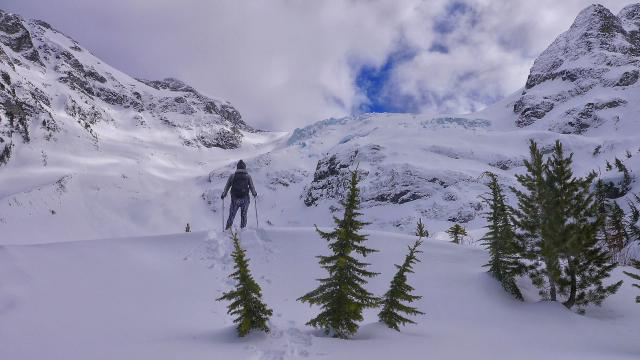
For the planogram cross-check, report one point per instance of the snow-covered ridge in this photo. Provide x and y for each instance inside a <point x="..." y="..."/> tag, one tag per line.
<point x="588" y="77"/>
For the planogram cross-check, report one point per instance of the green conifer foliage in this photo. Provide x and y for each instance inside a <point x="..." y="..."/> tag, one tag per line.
<point x="400" y="291"/>
<point x="633" y="229"/>
<point x="421" y="231"/>
<point x="342" y="295"/>
<point x="616" y="229"/>
<point x="528" y="216"/>
<point x="571" y="224"/>
<point x="246" y="299"/>
<point x="636" y="265"/>
<point x="504" y="263"/>
<point x="457" y="233"/>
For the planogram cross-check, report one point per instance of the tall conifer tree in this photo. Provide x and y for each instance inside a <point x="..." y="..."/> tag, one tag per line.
<point x="504" y="263"/>
<point x="246" y="298"/>
<point x="342" y="296"/>
<point x="529" y="215"/>
<point x="571" y="224"/>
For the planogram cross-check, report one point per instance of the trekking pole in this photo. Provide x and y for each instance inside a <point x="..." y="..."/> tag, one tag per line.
<point x="222" y="214"/>
<point x="255" y="205"/>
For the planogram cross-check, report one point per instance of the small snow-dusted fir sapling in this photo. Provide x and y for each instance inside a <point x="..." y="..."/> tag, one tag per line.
<point x="187" y="228"/>
<point x="394" y="307"/>
<point x="246" y="299"/>
<point x="421" y="231"/>
<point x="342" y="295"/>
<point x="457" y="233"/>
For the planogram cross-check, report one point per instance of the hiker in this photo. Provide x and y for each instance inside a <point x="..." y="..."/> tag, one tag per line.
<point x="240" y="184"/>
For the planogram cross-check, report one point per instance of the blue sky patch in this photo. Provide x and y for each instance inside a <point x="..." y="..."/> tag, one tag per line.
<point x="374" y="83"/>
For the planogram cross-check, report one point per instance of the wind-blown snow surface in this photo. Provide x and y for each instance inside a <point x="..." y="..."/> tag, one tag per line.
<point x="153" y="298"/>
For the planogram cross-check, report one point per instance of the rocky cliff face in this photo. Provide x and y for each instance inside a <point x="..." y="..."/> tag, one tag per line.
<point x="52" y="88"/>
<point x="580" y="81"/>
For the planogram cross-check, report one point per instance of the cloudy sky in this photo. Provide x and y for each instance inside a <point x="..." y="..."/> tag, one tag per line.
<point x="286" y="63"/>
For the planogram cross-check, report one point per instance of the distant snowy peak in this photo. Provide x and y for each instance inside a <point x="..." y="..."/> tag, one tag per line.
<point x="52" y="88"/>
<point x="584" y="72"/>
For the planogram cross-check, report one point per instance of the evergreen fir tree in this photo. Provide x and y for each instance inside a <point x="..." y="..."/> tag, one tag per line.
<point x="636" y="265"/>
<point x="504" y="263"/>
<point x="603" y="205"/>
<point x="187" y="228"/>
<point x="400" y="291"/>
<point x="246" y="298"/>
<point x="627" y="179"/>
<point x="561" y="188"/>
<point x="615" y="228"/>
<point x="457" y="233"/>
<point x="421" y="231"/>
<point x="634" y="219"/>
<point x="341" y="295"/>
<point x="571" y="225"/>
<point x="544" y="267"/>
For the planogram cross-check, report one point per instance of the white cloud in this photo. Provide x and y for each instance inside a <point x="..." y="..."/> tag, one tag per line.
<point x="287" y="63"/>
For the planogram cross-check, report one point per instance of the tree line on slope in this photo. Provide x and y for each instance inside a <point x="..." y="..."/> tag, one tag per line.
<point x="563" y="233"/>
<point x="560" y="234"/>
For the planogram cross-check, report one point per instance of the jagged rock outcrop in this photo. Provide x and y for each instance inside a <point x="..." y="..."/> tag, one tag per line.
<point x="388" y="183"/>
<point x="563" y="90"/>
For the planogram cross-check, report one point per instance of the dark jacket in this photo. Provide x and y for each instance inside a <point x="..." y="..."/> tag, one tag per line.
<point x="230" y="182"/>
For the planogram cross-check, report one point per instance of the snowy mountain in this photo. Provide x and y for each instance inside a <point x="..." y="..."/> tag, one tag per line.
<point x="94" y="147"/>
<point x="69" y="124"/>
<point x="586" y="78"/>
<point x="88" y="152"/>
<point x="52" y="89"/>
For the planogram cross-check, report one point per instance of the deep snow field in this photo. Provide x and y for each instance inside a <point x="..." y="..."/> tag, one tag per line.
<point x="153" y="298"/>
<point x="108" y="170"/>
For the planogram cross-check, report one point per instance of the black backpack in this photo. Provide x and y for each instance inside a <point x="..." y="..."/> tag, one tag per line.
<point x="240" y="185"/>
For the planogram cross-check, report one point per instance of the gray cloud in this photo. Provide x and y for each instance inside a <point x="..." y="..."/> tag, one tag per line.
<point x="286" y="63"/>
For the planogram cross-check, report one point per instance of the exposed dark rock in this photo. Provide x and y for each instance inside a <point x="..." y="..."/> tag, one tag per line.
<point x="628" y="78"/>
<point x="586" y="117"/>
<point x="15" y="35"/>
<point x="507" y="164"/>
<point x="223" y="138"/>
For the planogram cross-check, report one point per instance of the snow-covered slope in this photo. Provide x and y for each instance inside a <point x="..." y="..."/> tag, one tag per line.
<point x="84" y="146"/>
<point x="153" y="298"/>
<point x="88" y="152"/>
<point x="91" y="159"/>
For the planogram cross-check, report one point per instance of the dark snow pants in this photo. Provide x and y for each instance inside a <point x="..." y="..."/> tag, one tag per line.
<point x="242" y="204"/>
